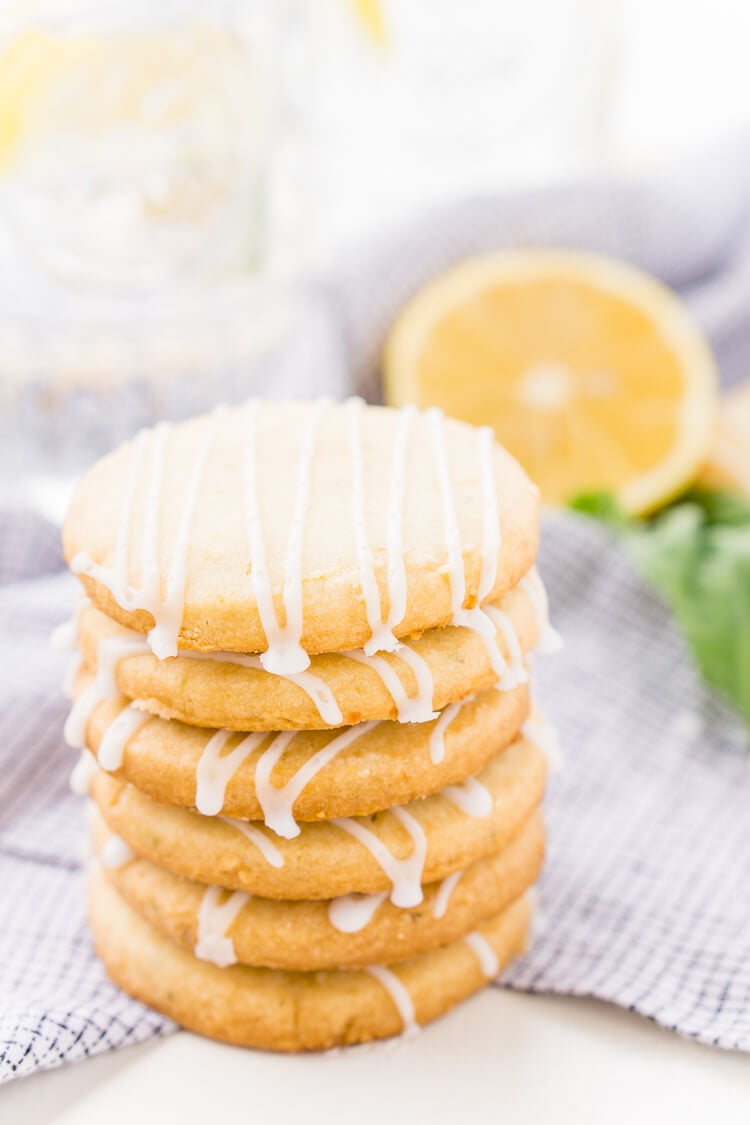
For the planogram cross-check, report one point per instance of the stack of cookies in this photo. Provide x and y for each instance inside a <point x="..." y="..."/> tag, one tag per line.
<point x="303" y="708"/>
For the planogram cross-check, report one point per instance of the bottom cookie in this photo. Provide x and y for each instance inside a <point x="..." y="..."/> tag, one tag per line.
<point x="296" y="1011"/>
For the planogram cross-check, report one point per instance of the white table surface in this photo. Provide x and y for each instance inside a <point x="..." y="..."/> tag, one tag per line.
<point x="502" y="1057"/>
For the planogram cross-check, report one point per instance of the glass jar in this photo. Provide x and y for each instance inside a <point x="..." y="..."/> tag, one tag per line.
<point x="144" y="248"/>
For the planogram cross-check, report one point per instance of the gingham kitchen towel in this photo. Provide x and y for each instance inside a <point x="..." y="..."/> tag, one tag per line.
<point x="646" y="892"/>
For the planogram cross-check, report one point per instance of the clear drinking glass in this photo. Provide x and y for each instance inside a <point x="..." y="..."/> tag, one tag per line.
<point x="143" y="241"/>
<point x="134" y="148"/>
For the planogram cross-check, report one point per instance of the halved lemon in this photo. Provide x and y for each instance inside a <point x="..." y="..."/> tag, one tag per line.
<point x="590" y="372"/>
<point x="728" y="463"/>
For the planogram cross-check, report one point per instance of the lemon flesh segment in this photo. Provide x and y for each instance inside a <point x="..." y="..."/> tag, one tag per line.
<point x="592" y="374"/>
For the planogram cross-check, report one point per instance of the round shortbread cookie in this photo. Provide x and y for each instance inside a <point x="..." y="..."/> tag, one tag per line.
<point x="419" y="843"/>
<point x="305" y="775"/>
<point x="309" y="526"/>
<point x="339" y="689"/>
<point x="229" y="926"/>
<point x="292" y="1011"/>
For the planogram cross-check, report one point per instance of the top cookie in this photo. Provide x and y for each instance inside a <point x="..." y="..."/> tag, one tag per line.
<point x="303" y="527"/>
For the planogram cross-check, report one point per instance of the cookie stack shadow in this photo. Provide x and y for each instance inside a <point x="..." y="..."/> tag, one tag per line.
<point x="305" y="719"/>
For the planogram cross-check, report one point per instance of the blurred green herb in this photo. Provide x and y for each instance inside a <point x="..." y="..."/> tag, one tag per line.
<point x="697" y="554"/>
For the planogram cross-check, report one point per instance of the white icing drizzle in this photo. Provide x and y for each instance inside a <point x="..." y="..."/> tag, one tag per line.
<point x="116" y="852"/>
<point x="215" y="770"/>
<point x="316" y="689"/>
<point x="74" y="731"/>
<point x="544" y="736"/>
<point x="482" y="624"/>
<point x="266" y="847"/>
<point x="112" y="745"/>
<point x="491" y="538"/>
<point x="484" y="953"/>
<point x="71" y="675"/>
<point x="399" y="994"/>
<point x="110" y="651"/>
<point x="83" y="773"/>
<point x="549" y="639"/>
<point x="475" y="619"/>
<point x="456" y="576"/>
<point x="408" y="710"/>
<point x="321" y="695"/>
<point x="214" y="919"/>
<point x="116" y="578"/>
<point x="150" y="571"/>
<point x="382" y="638"/>
<point x="515" y="672"/>
<point x="284" y="654"/>
<point x="395" y="534"/>
<point x="471" y="797"/>
<point x="445" y="890"/>
<point x="63" y="636"/>
<point x="277" y="803"/>
<point x="290" y="656"/>
<point x="259" y="575"/>
<point x="421" y="706"/>
<point x="167" y="614"/>
<point x="277" y="809"/>
<point x="351" y="913"/>
<point x="437" y="734"/>
<point x="405" y="874"/>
